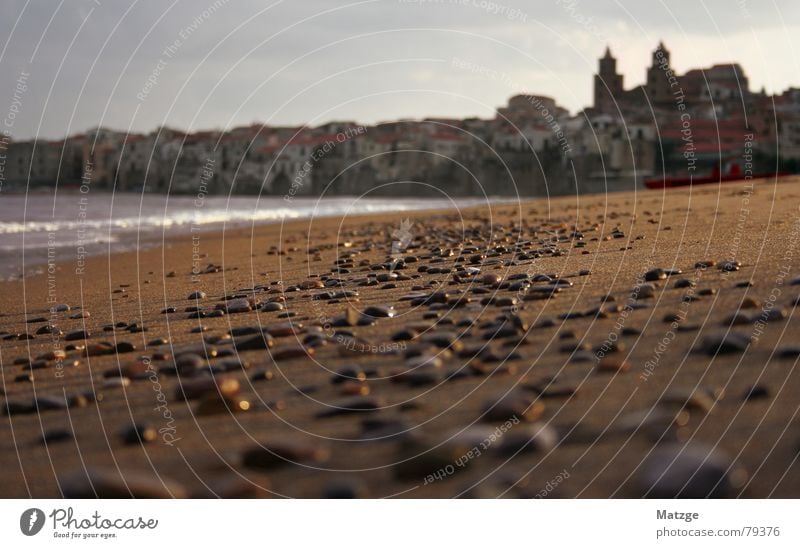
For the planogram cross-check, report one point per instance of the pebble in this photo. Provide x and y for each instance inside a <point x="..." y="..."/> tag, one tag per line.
<point x="56" y="435"/>
<point x="725" y="342"/>
<point x="379" y="311"/>
<point x="513" y="404"/>
<point x="345" y="488"/>
<point x="77" y="335"/>
<point x="110" y="483"/>
<point x="213" y="404"/>
<point x="269" y="456"/>
<point x="690" y="471"/>
<point x="645" y="291"/>
<point x="356" y="404"/>
<point x="190" y="389"/>
<point x="610" y="364"/>
<point x="289" y="352"/>
<point x="701" y="400"/>
<point x="756" y="392"/>
<point x="729" y="266"/>
<point x="138" y="434"/>
<point x="655" y="274"/>
<point x="534" y="438"/>
<point x="258" y="342"/>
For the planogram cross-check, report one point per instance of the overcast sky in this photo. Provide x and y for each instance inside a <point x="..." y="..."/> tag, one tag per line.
<point x="103" y="62"/>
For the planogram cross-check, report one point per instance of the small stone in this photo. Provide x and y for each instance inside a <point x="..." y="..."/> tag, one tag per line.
<point x="738" y="318"/>
<point x="77" y="335"/>
<point x="188" y="363"/>
<point x="112" y="483"/>
<point x="655" y="274"/>
<point x="290" y="352"/>
<point x="269" y="456"/>
<point x="44" y="402"/>
<point x="645" y="291"/>
<point x="213" y="404"/>
<point x="379" y="311"/>
<point x="700" y="400"/>
<point x="197" y="295"/>
<point x="512" y="405"/>
<point x="611" y="364"/>
<point x="726" y="342"/>
<point x="689" y="471"/>
<point x="258" y="342"/>
<point x="534" y="438"/>
<point x="117" y="382"/>
<point x="729" y="266"/>
<point x="190" y="389"/>
<point x="356" y="404"/>
<point x="789" y="352"/>
<point x="138" y="434"/>
<point x="124" y="347"/>
<point x="56" y="435"/>
<point x="345" y="488"/>
<point x="756" y="392"/>
<point x="749" y="302"/>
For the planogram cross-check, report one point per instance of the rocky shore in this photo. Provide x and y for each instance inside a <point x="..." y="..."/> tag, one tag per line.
<point x="620" y="345"/>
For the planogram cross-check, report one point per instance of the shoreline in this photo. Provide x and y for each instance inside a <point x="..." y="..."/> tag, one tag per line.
<point x="523" y="354"/>
<point x="204" y="221"/>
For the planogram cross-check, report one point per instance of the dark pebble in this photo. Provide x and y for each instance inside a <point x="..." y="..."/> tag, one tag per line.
<point x="138" y="434"/>
<point x="111" y="483"/>
<point x="689" y="471"/>
<point x="724" y="343"/>
<point x="77" y="335"/>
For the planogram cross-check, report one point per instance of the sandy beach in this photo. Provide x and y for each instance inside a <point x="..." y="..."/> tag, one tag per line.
<point x="591" y="346"/>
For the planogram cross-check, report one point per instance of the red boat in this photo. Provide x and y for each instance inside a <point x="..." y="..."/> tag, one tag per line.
<point x="734" y="174"/>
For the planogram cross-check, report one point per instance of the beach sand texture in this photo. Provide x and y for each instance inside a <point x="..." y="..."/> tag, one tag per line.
<point x="525" y="355"/>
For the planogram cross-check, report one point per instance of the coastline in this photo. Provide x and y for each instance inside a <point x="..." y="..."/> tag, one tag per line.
<point x="602" y="435"/>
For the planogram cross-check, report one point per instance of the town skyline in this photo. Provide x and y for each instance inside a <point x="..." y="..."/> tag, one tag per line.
<point x="292" y="65"/>
<point x="465" y="65"/>
<point x="675" y="123"/>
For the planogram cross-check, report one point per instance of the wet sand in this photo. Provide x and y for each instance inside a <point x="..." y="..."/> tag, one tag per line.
<point x="606" y="379"/>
